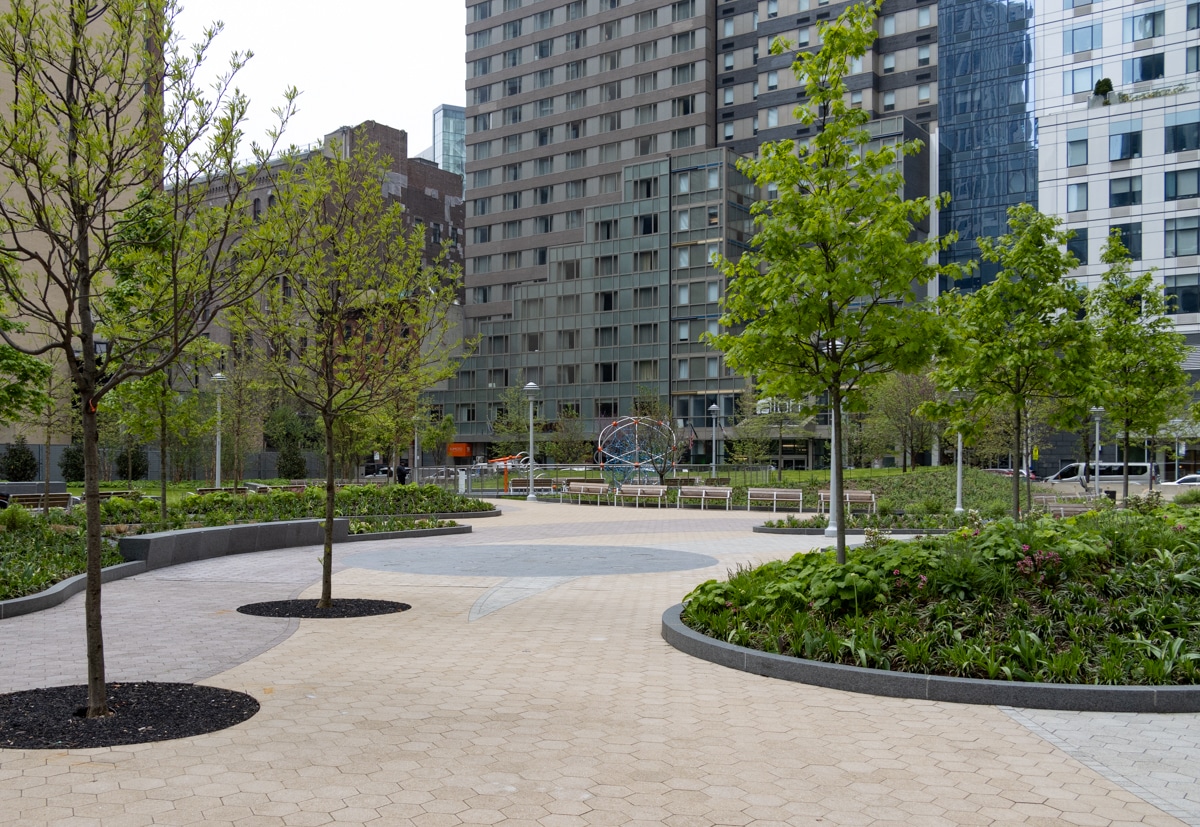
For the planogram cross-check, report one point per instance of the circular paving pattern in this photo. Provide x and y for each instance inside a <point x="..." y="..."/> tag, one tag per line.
<point x="529" y="560"/>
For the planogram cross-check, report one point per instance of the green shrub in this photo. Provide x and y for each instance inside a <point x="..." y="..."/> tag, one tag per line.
<point x="18" y="463"/>
<point x="291" y="464"/>
<point x="1188" y="497"/>
<point x="15" y="518"/>
<point x="131" y="464"/>
<point x="71" y="463"/>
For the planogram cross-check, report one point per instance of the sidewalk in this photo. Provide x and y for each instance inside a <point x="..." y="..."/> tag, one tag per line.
<point x="526" y="688"/>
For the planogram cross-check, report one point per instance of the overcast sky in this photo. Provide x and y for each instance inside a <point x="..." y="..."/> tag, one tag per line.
<point x="391" y="61"/>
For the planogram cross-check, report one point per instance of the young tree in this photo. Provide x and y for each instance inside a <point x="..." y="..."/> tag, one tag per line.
<point x="570" y="443"/>
<point x="893" y="418"/>
<point x="1020" y="339"/>
<point x="511" y="424"/>
<point x="372" y="313"/>
<point x="436" y="434"/>
<point x="1139" y="357"/>
<point x="108" y="127"/>
<point x="658" y="439"/>
<point x="752" y="436"/>
<point x="824" y="300"/>
<point x="18" y="463"/>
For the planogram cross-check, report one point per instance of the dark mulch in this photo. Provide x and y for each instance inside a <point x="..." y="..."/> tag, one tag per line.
<point x="54" y="718"/>
<point x="307" y="609"/>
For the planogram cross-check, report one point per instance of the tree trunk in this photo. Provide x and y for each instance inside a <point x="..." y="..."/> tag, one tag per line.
<point x="1016" y="459"/>
<point x="1124" y="469"/>
<point x="162" y="447"/>
<point x="46" y="463"/>
<point x="97" y="691"/>
<point x="330" y="490"/>
<point x="837" y="486"/>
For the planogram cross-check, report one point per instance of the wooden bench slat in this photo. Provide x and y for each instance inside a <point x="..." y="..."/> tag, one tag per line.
<point x="775" y="496"/>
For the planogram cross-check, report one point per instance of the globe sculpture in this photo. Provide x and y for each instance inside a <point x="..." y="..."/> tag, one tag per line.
<point x="630" y="448"/>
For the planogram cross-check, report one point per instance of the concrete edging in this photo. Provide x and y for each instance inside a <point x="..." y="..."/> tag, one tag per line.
<point x="813" y="532"/>
<point x="1070" y="697"/>
<point x="416" y="532"/>
<point x="63" y="590"/>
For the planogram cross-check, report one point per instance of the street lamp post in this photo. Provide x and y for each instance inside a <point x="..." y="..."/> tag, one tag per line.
<point x="531" y="391"/>
<point x="835" y="471"/>
<point x="713" y="411"/>
<point x="1098" y="414"/>
<point x="218" y="380"/>
<point x="1175" y="423"/>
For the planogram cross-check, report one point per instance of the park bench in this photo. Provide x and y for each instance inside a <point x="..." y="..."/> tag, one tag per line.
<point x="642" y="492"/>
<point x="588" y="489"/>
<point x="1061" y="510"/>
<point x="775" y="496"/>
<point x="851" y="497"/>
<point x="35" y="501"/>
<point x="127" y="495"/>
<point x="705" y="494"/>
<point x="521" y="486"/>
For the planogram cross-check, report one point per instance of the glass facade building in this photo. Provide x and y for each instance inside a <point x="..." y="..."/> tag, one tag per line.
<point x="988" y="140"/>
<point x="450" y="138"/>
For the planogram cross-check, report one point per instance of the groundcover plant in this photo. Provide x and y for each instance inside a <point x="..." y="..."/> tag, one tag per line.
<point x="1109" y="597"/>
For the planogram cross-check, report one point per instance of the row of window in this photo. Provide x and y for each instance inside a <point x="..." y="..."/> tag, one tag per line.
<point x="1125" y="143"/>
<point x="1141" y="26"/>
<point x="1133" y="70"/>
<point x="1127" y="192"/>
<point x="1181" y="237"/>
<point x="610" y="121"/>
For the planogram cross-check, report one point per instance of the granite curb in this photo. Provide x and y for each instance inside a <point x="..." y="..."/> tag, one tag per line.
<point x="63" y="590"/>
<point x="1066" y="697"/>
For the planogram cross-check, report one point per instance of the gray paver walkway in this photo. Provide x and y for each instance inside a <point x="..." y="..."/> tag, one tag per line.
<point x="509" y="697"/>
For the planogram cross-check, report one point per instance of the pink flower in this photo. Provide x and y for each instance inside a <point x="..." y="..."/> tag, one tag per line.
<point x="1024" y="547"/>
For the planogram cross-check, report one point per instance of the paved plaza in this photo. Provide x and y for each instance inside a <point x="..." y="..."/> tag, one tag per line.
<point x="529" y="685"/>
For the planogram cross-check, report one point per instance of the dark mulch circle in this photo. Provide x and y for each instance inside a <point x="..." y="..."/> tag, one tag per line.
<point x="307" y="609"/>
<point x="55" y="717"/>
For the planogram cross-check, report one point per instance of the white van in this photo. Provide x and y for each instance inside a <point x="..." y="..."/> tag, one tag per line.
<point x="1080" y="473"/>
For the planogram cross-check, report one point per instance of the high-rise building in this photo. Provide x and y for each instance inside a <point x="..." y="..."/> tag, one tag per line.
<point x="449" y="138"/>
<point x="601" y="148"/>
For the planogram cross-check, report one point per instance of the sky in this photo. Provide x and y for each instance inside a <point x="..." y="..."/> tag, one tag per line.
<point x="390" y="61"/>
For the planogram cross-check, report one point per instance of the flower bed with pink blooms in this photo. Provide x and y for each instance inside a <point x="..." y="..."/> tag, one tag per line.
<point x="1110" y="597"/>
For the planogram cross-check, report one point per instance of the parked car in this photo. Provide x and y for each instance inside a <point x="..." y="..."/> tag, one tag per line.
<point x="1187" y="479"/>
<point x="1007" y="472"/>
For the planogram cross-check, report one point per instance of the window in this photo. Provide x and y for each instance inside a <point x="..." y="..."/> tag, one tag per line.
<point x="1082" y="39"/>
<point x="728" y="67"/>
<point x="727" y="96"/>
<point x="728" y="27"/>
<point x="483" y="122"/>
<point x="1182" y="293"/>
<point x="856" y="99"/>
<point x="889" y="64"/>
<point x="683" y="74"/>
<point x="645" y="334"/>
<point x="610" y="123"/>
<point x="1143" y="68"/>
<point x="644" y="262"/>
<point x="682" y="10"/>
<point x="1182" y="237"/>
<point x="576" y="189"/>
<point x="575" y="100"/>
<point x="888" y="25"/>
<point x="543" y="195"/>
<point x="683" y="138"/>
<point x="606" y="336"/>
<point x="512" y="115"/>
<point x="1193" y="16"/>
<point x="481" y="178"/>
<point x="610" y="30"/>
<point x="1077" y="245"/>
<point x="645" y="370"/>
<point x="1125" y="192"/>
<point x="512" y="229"/>
<point x="512" y="29"/>
<point x="714" y="295"/>
<point x="923" y="16"/>
<point x="567" y="374"/>
<point x="646" y="114"/>
<point x="1143" y="26"/>
<point x="464" y="412"/>
<point x="497" y="345"/>
<point x="1077" y="152"/>
<point x="644" y="21"/>
<point x="483" y="206"/>
<point x="574" y="219"/>
<point x="512" y="201"/>
<point x="1131" y="237"/>
<point x="646" y="297"/>
<point x="606" y="372"/>
<point x="683" y="42"/>
<point x="575" y="10"/>
<point x="924" y="55"/>
<point x="544" y="137"/>
<point x="575" y="40"/>
<point x="684" y="106"/>
<point x="545" y="107"/>
<point x="645" y="145"/>
<point x="512" y="261"/>
<point x="1077" y="197"/>
<point x="1193" y="59"/>
<point x="481" y="94"/>
<point x="646" y="83"/>
<point x="512" y="58"/>
<point x="606" y="301"/>
<point x="1125" y="145"/>
<point x="681" y="369"/>
<point x="543" y="20"/>
<point x="610" y="152"/>
<point x="772" y="117"/>
<point x="610" y="92"/>
<point x="772" y="80"/>
<point x="645" y="188"/>
<point x="772" y="8"/>
<point x="544" y="166"/>
<point x="606" y="408"/>
<point x="923" y="93"/>
<point x="682" y="296"/>
<point x="481" y="39"/>
<point x="1076" y="81"/>
<point x="712" y="367"/>
<point x="645" y="51"/>
<point x="1182" y="184"/>
<point x="1183" y="137"/>
<point x="576" y="69"/>
<point x="606" y="230"/>
<point x="610" y="61"/>
<point x="889" y="101"/>
<point x="727" y="132"/>
<point x="512" y="86"/>
<point x="482" y="11"/>
<point x="512" y="143"/>
<point x="512" y="172"/>
<point x="682" y="332"/>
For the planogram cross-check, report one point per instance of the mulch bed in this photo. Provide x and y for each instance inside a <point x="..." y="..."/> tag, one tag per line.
<point x="307" y="609"/>
<point x="55" y="717"/>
